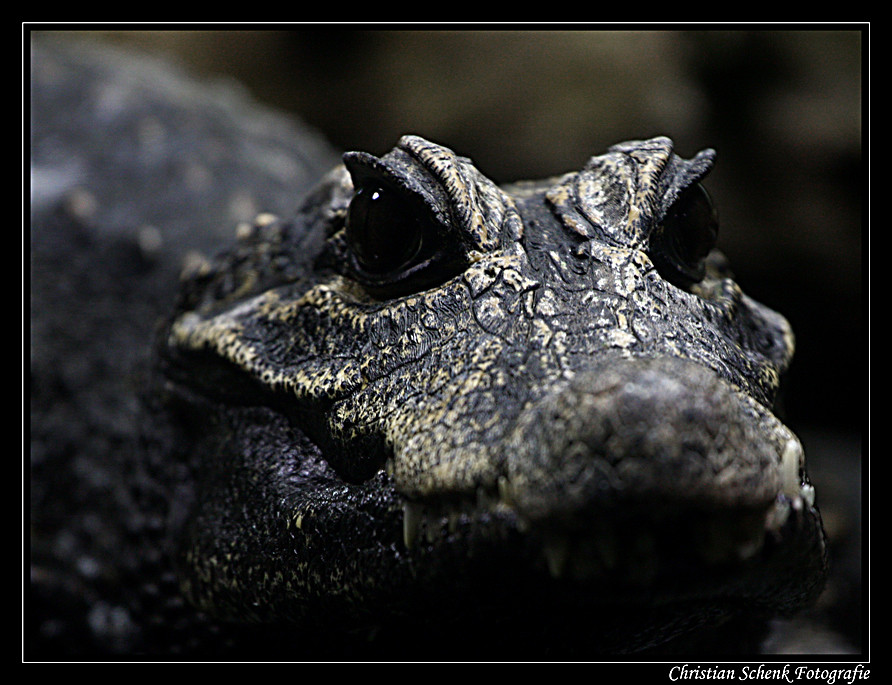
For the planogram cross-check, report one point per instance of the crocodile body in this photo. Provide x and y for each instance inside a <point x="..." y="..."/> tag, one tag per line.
<point x="421" y="417"/>
<point x="546" y="405"/>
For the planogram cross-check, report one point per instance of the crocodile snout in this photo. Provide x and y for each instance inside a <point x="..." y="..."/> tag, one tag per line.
<point x="667" y="431"/>
<point x="705" y="469"/>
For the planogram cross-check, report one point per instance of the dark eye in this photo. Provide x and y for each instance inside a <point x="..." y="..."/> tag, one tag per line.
<point x="396" y="247"/>
<point x="688" y="232"/>
<point x="384" y="233"/>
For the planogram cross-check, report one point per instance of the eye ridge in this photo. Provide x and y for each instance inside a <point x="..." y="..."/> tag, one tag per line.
<point x="687" y="234"/>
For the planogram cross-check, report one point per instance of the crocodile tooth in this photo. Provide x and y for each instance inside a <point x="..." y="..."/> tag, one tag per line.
<point x="454" y="517"/>
<point x="505" y="493"/>
<point x="432" y="526"/>
<point x="265" y="219"/>
<point x="412" y="515"/>
<point x="557" y="552"/>
<point x="778" y="514"/>
<point x="807" y="492"/>
<point x="790" y="463"/>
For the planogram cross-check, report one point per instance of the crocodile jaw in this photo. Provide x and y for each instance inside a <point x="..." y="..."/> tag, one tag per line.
<point x="605" y="469"/>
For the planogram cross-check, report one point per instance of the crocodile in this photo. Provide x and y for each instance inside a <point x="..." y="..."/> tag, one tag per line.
<point x="487" y="418"/>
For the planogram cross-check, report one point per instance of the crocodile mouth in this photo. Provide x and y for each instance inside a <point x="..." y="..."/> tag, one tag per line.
<point x="634" y="483"/>
<point x="646" y="489"/>
<point x="623" y="544"/>
<point x="635" y="549"/>
<point x="628" y="577"/>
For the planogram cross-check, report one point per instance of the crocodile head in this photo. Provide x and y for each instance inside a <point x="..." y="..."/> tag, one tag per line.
<point x="541" y="405"/>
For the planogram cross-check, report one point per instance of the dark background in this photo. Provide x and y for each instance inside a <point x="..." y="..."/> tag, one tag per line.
<point x="783" y="109"/>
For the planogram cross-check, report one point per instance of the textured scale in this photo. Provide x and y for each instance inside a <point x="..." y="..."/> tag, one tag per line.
<point x="536" y="408"/>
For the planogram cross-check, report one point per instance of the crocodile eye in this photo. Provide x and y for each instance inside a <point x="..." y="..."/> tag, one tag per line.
<point x="395" y="245"/>
<point x="384" y="233"/>
<point x="680" y="244"/>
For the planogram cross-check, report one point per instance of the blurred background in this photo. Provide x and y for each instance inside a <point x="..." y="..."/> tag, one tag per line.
<point x="783" y="109"/>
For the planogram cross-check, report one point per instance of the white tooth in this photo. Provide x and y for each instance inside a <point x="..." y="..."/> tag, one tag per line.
<point x="808" y="494"/>
<point x="412" y="515"/>
<point x="504" y="490"/>
<point x="431" y="527"/>
<point x="778" y="515"/>
<point x="454" y="517"/>
<point x="790" y="462"/>
<point x="557" y="551"/>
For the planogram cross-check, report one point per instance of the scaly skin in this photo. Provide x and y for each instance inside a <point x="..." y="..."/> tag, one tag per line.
<point x="418" y="407"/>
